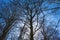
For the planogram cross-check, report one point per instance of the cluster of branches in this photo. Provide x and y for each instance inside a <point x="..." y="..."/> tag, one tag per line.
<point x="29" y="13"/>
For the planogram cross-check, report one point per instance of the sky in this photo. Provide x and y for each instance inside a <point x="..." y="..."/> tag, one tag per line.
<point x="54" y="17"/>
<point x="56" y="14"/>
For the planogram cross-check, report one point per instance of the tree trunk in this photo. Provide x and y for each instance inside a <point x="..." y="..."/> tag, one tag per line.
<point x="7" y="28"/>
<point x="31" y="28"/>
<point x="45" y="38"/>
<point x="31" y="33"/>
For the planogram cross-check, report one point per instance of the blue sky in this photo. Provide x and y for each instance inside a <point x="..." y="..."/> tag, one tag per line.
<point x="55" y="16"/>
<point x="57" y="13"/>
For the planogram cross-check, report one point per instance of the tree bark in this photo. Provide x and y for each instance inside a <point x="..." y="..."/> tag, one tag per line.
<point x="31" y="27"/>
<point x="31" y="32"/>
<point x="45" y="38"/>
<point x="7" y="28"/>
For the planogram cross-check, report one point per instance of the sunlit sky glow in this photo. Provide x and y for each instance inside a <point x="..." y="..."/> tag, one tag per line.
<point x="55" y="17"/>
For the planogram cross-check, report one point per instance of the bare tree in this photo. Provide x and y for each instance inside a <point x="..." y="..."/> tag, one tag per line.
<point x="33" y="16"/>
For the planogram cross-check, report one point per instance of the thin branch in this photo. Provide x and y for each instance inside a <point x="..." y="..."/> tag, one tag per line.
<point x="51" y="9"/>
